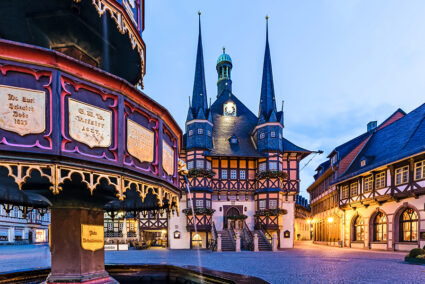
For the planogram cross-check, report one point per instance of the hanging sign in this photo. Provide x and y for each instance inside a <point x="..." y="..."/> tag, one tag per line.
<point x="140" y="141"/>
<point x="92" y="237"/>
<point x="167" y="158"/>
<point x="22" y="111"/>
<point x="89" y="124"/>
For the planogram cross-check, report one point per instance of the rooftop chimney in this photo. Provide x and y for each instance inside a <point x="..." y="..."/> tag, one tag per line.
<point x="371" y="125"/>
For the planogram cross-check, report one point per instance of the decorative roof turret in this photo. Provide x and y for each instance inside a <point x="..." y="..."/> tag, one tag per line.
<point x="224" y="70"/>
<point x="267" y="110"/>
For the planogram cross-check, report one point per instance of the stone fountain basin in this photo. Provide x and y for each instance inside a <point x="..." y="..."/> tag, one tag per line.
<point x="145" y="273"/>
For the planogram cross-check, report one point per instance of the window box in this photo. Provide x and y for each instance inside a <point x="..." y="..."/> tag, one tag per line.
<point x="199" y="211"/>
<point x="271" y="174"/>
<point x="200" y="173"/>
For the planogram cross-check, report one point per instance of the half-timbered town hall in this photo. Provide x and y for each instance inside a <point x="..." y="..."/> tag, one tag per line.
<point x="243" y="173"/>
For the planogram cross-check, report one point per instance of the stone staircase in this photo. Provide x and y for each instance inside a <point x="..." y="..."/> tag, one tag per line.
<point x="263" y="243"/>
<point x="226" y="241"/>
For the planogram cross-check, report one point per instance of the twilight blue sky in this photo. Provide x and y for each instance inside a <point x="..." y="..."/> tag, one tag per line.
<point x="337" y="64"/>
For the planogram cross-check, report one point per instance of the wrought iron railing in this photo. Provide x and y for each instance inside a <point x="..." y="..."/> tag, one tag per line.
<point x="213" y="244"/>
<point x="248" y="237"/>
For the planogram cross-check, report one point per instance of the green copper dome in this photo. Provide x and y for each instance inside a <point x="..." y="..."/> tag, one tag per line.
<point x="224" y="58"/>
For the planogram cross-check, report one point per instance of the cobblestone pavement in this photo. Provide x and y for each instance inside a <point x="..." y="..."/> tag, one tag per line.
<point x="306" y="263"/>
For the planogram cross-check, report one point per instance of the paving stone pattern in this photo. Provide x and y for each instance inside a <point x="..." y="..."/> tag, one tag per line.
<point x="306" y="263"/>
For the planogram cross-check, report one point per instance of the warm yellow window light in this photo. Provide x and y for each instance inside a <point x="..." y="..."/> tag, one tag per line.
<point x="308" y="221"/>
<point x="330" y="220"/>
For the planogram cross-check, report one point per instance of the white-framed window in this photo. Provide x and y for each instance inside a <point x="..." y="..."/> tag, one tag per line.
<point x="190" y="165"/>
<point x="262" y="135"/>
<point x="273" y="166"/>
<point x="353" y="189"/>
<point x="224" y="174"/>
<point x="333" y="160"/>
<point x="272" y="204"/>
<point x="208" y="165"/>
<point x="15" y="212"/>
<point x="209" y="133"/>
<point x="402" y="175"/>
<point x="199" y="164"/>
<point x="190" y="132"/>
<point x="272" y="134"/>
<point x="262" y="167"/>
<point x="368" y="184"/>
<point x="242" y="174"/>
<point x="199" y="203"/>
<point x="345" y="192"/>
<point x="208" y="203"/>
<point x="262" y="204"/>
<point x="363" y="163"/>
<point x="420" y="170"/>
<point x="380" y="180"/>
<point x="110" y="226"/>
<point x="120" y="226"/>
<point x="233" y="174"/>
<point x="200" y="131"/>
<point x="132" y="226"/>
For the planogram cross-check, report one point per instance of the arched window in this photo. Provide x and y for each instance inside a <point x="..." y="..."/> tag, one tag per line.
<point x="409" y="225"/>
<point x="380" y="227"/>
<point x="359" y="229"/>
<point x="197" y="241"/>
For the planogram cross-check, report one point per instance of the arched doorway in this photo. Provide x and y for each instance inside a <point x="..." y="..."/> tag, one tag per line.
<point x="230" y="220"/>
<point x="197" y="241"/>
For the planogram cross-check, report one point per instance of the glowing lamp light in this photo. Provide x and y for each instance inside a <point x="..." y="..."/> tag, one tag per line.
<point x="308" y="221"/>
<point x="163" y="231"/>
<point x="330" y="220"/>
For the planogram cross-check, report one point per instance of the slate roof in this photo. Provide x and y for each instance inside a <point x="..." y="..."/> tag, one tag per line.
<point x="398" y="140"/>
<point x="267" y="110"/>
<point x="199" y="95"/>
<point x="240" y="125"/>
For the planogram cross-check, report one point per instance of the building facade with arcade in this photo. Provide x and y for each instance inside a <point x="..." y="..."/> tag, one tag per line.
<point x="371" y="192"/>
<point x="243" y="173"/>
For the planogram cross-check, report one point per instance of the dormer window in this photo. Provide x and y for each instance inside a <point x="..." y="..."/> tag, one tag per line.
<point x="262" y="135"/>
<point x="200" y="131"/>
<point x="333" y="160"/>
<point x="209" y="133"/>
<point x="234" y="140"/>
<point x="190" y="132"/>
<point x="363" y="163"/>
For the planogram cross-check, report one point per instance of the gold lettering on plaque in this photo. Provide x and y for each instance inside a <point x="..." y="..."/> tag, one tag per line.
<point x="167" y="158"/>
<point x="89" y="124"/>
<point x="22" y="111"/>
<point x="92" y="237"/>
<point x="140" y="141"/>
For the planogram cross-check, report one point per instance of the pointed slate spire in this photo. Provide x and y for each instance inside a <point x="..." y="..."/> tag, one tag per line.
<point x="267" y="99"/>
<point x="199" y="96"/>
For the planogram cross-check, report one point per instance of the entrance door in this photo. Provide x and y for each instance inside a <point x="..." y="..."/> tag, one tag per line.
<point x="229" y="219"/>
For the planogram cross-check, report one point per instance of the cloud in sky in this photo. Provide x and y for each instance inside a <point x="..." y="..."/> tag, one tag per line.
<point x="337" y="64"/>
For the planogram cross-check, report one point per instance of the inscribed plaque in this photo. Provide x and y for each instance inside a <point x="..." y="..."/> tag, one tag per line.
<point x="89" y="124"/>
<point x="22" y="111"/>
<point x="92" y="237"/>
<point x="140" y="141"/>
<point x="167" y="158"/>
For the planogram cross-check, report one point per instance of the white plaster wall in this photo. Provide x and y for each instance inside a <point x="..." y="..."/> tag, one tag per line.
<point x="218" y="215"/>
<point x="390" y="209"/>
<point x="287" y="222"/>
<point x="178" y="223"/>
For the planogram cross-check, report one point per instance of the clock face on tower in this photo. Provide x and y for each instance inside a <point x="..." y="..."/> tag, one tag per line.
<point x="229" y="109"/>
